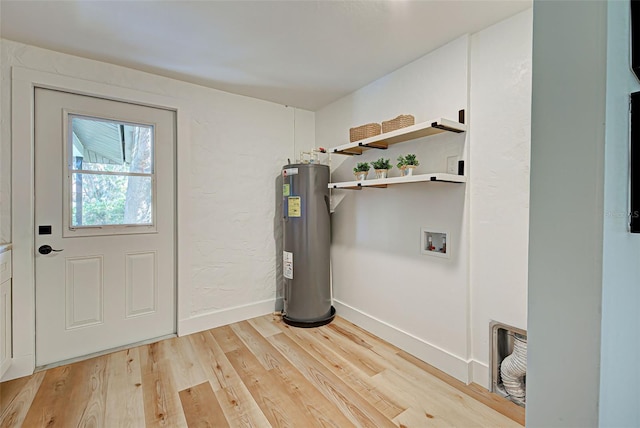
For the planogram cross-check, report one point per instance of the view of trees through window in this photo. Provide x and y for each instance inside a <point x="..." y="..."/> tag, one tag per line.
<point x="111" y="177"/>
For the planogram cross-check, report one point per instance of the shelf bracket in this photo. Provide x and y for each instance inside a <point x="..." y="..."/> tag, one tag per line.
<point x="374" y="146"/>
<point x="443" y="181"/>
<point x="446" y="128"/>
<point x="348" y="153"/>
<point x="358" y="187"/>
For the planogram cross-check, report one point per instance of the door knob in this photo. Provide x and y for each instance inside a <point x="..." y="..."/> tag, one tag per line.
<point x="46" y="249"/>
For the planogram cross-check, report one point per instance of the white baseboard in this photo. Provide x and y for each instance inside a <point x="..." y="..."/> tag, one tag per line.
<point x="222" y="317"/>
<point x="431" y="354"/>
<point x="480" y="374"/>
<point x="20" y="367"/>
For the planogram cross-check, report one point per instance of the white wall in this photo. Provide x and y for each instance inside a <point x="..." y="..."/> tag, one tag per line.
<point x="620" y="353"/>
<point x="566" y="215"/>
<point x="381" y="280"/>
<point x="237" y="146"/>
<point x="440" y="310"/>
<point x="500" y="144"/>
<point x="436" y="309"/>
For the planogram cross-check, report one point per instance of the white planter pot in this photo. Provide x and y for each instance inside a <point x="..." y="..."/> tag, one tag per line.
<point x="381" y="173"/>
<point x="407" y="170"/>
<point x="360" y="176"/>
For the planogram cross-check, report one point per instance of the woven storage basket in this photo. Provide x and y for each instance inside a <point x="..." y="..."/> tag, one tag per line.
<point x="364" y="131"/>
<point x="401" y="121"/>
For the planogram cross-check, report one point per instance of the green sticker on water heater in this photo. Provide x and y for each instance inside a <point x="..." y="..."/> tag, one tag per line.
<point x="285" y="190"/>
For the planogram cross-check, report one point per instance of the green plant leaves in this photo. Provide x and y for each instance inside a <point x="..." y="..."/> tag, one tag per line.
<point x="381" y="164"/>
<point x="409" y="159"/>
<point x="361" y="167"/>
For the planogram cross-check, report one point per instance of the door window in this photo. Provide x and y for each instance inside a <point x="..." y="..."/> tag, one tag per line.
<point x="110" y="182"/>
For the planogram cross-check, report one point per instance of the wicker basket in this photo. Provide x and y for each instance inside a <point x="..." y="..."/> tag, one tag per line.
<point x="364" y="131"/>
<point x="401" y="121"/>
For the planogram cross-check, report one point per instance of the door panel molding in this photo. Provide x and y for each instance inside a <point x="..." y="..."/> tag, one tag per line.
<point x="141" y="283"/>
<point x="84" y="280"/>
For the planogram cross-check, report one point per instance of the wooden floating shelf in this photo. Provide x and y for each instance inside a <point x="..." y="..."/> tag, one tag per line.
<point x="384" y="182"/>
<point x="383" y="141"/>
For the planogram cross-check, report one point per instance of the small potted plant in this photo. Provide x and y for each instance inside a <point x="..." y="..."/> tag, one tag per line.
<point x="407" y="164"/>
<point x="381" y="166"/>
<point x="361" y="170"/>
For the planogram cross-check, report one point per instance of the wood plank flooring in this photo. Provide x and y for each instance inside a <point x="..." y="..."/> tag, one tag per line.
<point x="255" y="373"/>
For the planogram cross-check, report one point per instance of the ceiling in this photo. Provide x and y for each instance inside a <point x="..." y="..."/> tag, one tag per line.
<point x="305" y="54"/>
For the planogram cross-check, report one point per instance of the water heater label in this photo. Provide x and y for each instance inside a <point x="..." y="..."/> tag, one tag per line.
<point x="287" y="264"/>
<point x="294" y="206"/>
<point x="285" y="190"/>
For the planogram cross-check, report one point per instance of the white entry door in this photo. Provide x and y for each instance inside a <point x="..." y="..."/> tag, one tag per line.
<point x="105" y="224"/>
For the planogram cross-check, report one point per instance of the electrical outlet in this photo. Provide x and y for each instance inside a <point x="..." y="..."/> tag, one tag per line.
<point x="452" y="165"/>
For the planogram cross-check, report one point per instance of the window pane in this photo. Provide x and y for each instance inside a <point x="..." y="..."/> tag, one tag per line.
<point x="101" y="200"/>
<point x="104" y="145"/>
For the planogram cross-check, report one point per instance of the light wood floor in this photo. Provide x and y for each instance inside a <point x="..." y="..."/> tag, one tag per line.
<point x="256" y="373"/>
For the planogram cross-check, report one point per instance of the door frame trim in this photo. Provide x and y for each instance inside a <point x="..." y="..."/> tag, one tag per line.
<point x="23" y="84"/>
